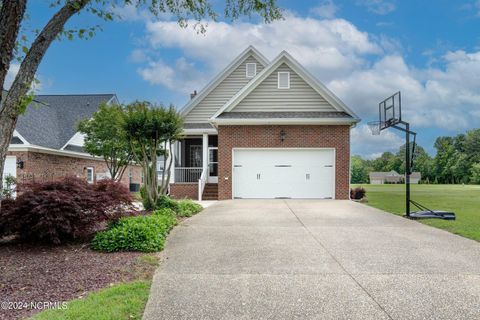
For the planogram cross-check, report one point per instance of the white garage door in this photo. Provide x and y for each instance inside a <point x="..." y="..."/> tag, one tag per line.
<point x="10" y="167"/>
<point x="283" y="173"/>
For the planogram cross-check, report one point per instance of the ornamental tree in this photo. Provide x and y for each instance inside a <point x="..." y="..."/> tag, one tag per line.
<point x="105" y="137"/>
<point x="151" y="131"/>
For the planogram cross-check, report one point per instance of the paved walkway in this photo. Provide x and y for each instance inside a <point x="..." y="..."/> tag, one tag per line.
<point x="302" y="259"/>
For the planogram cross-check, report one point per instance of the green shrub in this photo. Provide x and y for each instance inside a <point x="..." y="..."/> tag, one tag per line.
<point x="141" y="233"/>
<point x="187" y="208"/>
<point x="165" y="212"/>
<point x="166" y="202"/>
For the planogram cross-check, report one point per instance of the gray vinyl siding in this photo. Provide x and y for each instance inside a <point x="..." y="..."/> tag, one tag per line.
<point x="222" y="93"/>
<point x="301" y="97"/>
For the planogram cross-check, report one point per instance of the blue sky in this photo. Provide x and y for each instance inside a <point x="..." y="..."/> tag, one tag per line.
<point x="363" y="50"/>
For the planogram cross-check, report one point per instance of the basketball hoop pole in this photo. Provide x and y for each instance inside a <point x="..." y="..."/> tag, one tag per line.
<point x="408" y="162"/>
<point x="390" y="115"/>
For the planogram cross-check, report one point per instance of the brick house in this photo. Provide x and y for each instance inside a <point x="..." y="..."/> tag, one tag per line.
<point x="46" y="145"/>
<point x="263" y="129"/>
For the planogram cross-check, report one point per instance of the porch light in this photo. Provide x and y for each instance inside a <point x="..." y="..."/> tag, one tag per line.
<point x="282" y="135"/>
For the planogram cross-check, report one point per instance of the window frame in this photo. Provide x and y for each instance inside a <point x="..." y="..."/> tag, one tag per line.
<point x="92" y="169"/>
<point x="254" y="71"/>
<point x="288" y="80"/>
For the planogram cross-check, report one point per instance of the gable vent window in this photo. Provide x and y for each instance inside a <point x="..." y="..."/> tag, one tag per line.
<point x="284" y="80"/>
<point x="251" y="70"/>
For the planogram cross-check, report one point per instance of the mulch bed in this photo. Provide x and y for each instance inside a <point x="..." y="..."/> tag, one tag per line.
<point x="33" y="273"/>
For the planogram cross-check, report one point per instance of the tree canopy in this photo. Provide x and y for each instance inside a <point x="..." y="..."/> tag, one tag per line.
<point x="105" y="137"/>
<point x="457" y="161"/>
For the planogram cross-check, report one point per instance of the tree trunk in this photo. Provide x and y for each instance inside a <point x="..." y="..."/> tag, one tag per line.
<point x="11" y="16"/>
<point x="12" y="103"/>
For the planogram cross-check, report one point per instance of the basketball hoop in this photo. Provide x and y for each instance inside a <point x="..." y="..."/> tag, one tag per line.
<point x="375" y="127"/>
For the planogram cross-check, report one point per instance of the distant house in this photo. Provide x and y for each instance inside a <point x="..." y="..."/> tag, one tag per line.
<point x="47" y="146"/>
<point x="415" y="177"/>
<point x="392" y="177"/>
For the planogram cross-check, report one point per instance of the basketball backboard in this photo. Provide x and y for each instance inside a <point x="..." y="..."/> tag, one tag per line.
<point x="390" y="111"/>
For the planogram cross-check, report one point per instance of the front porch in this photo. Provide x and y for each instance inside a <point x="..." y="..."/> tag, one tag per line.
<point x="195" y="167"/>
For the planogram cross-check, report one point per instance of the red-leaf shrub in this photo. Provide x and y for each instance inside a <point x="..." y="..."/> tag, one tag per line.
<point x="68" y="209"/>
<point x="358" y="193"/>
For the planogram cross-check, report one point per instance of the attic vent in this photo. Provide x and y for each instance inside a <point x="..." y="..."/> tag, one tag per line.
<point x="251" y="70"/>
<point x="284" y="80"/>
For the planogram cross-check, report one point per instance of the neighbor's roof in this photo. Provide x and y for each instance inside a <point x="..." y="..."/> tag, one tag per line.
<point x="52" y="121"/>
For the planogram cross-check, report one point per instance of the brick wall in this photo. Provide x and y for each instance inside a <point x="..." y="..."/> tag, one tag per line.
<point x="308" y="136"/>
<point x="44" y="167"/>
<point x="184" y="190"/>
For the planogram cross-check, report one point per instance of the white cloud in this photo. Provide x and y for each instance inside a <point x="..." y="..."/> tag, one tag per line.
<point x="380" y="7"/>
<point x="326" y="9"/>
<point x="361" y="68"/>
<point x="180" y="77"/>
<point x="327" y="46"/>
<point x="370" y="146"/>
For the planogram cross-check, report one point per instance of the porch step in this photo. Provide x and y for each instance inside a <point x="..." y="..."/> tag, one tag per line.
<point x="210" y="192"/>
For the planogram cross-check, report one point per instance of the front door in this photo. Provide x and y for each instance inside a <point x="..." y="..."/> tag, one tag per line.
<point x="212" y="165"/>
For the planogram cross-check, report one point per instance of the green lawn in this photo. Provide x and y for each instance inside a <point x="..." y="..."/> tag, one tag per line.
<point x="122" y="301"/>
<point x="463" y="200"/>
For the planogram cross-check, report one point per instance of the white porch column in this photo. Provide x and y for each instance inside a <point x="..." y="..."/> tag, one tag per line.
<point x="205" y="152"/>
<point x="171" y="153"/>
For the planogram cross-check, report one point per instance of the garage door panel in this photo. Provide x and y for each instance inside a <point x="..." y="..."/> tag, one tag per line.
<point x="283" y="173"/>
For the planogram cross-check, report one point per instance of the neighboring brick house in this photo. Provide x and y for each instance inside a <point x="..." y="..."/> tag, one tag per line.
<point x="263" y="129"/>
<point x="46" y="145"/>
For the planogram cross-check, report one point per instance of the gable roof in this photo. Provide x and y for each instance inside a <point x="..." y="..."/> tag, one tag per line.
<point x="250" y="51"/>
<point x="52" y="122"/>
<point x="285" y="57"/>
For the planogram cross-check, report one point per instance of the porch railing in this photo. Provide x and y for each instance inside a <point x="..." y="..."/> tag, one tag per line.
<point x="188" y="174"/>
<point x="201" y="184"/>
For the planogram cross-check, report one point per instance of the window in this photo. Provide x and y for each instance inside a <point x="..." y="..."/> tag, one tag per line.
<point x="251" y="70"/>
<point x="284" y="80"/>
<point x="90" y="174"/>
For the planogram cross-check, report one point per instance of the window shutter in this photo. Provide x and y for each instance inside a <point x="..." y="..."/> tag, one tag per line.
<point x="251" y="70"/>
<point x="283" y="80"/>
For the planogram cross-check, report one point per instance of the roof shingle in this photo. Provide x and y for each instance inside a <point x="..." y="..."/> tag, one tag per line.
<point x="52" y="120"/>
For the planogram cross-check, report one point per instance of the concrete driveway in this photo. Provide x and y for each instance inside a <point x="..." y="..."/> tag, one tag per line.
<point x="307" y="259"/>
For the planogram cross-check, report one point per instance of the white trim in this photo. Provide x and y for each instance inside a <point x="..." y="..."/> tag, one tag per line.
<point x="334" y="164"/>
<point x="113" y="99"/>
<point x="19" y="136"/>
<point x="199" y="131"/>
<point x="288" y="80"/>
<point x="212" y="179"/>
<point x="73" y="137"/>
<point x="286" y="121"/>
<point x="285" y="57"/>
<point x="66" y="153"/>
<point x="254" y="69"/>
<point x="250" y="51"/>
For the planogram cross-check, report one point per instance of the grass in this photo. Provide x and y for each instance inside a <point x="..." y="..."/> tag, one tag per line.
<point x="125" y="300"/>
<point x="464" y="200"/>
<point x="122" y="301"/>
